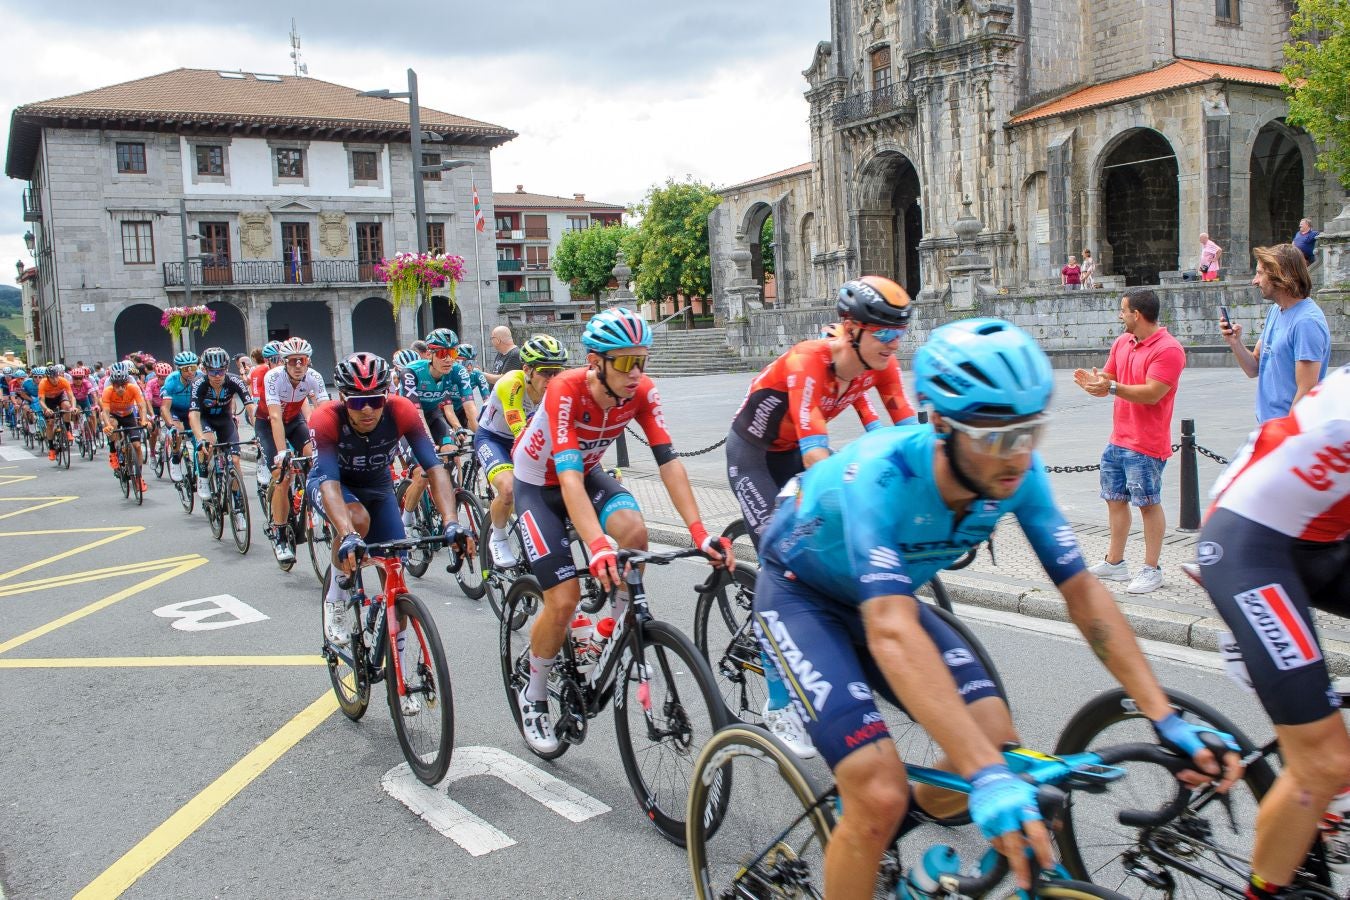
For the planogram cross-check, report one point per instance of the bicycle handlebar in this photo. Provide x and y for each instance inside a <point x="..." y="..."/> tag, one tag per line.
<point x="662" y="558"/>
<point x="1151" y="753"/>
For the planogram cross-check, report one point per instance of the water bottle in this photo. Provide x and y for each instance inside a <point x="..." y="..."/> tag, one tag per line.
<point x="604" y="630"/>
<point x="922" y="880"/>
<point x="581" y="642"/>
<point x="1335" y="832"/>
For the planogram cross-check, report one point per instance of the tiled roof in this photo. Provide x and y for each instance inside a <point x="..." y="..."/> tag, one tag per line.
<point x="765" y="179"/>
<point x="1182" y="73"/>
<point x="519" y="199"/>
<point x="206" y="99"/>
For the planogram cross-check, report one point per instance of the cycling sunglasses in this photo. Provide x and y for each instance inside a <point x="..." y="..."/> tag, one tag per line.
<point x="445" y="353"/>
<point x="372" y="401"/>
<point x="886" y="335"/>
<point x="627" y="363"/>
<point x="215" y="372"/>
<point x="297" y="360"/>
<point x="549" y="371"/>
<point x="1005" y="441"/>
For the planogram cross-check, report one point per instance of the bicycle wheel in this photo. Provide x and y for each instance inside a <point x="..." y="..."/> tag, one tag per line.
<point x="1162" y="861"/>
<point x="347" y="665"/>
<point x="662" y="720"/>
<point x="472" y="579"/>
<point x="514" y="648"/>
<point x="217" y="506"/>
<point x="769" y="839"/>
<point x="426" y="727"/>
<point x="939" y="592"/>
<point x="1069" y="889"/>
<point x="160" y="456"/>
<point x="723" y="634"/>
<point x="241" y="520"/>
<point x="134" y="473"/>
<point x="187" y="486"/>
<point x="319" y="539"/>
<point x="124" y="475"/>
<point x="63" y="453"/>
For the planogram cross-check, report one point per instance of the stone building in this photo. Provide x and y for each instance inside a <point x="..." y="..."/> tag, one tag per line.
<point x="272" y="196"/>
<point x="1125" y="126"/>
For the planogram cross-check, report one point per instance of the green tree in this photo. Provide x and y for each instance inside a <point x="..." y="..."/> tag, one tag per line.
<point x="586" y="258"/>
<point x="1319" y="88"/>
<point x="766" y="245"/>
<point x="669" y="253"/>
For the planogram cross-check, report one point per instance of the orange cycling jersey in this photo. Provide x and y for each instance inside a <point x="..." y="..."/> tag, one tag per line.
<point x="56" y="389"/>
<point x="790" y="404"/>
<point x="122" y="401"/>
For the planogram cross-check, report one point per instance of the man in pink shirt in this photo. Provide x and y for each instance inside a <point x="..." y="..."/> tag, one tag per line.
<point x="1141" y="373"/>
<point x="1210" y="256"/>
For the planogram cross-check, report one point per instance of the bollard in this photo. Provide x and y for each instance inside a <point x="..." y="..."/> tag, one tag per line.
<point x="1190" y="480"/>
<point x="621" y="451"/>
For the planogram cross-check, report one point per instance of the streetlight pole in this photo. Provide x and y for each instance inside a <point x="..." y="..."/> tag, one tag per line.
<point x="187" y="263"/>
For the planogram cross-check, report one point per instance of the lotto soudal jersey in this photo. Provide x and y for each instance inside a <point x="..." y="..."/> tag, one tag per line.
<point x="790" y="404"/>
<point x="570" y="431"/>
<point x="343" y="454"/>
<point x="280" y="390"/>
<point x="1293" y="475"/>
<point x="868" y="521"/>
<point x="422" y="386"/>
<point x="509" y="407"/>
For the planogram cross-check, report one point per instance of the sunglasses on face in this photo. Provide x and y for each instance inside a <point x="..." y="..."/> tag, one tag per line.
<point x="298" y="361"/>
<point x="215" y="373"/>
<point x="375" y="401"/>
<point x="886" y="335"/>
<point x="445" y="353"/>
<point x="1006" y="441"/>
<point x="627" y="363"/>
<point x="549" y="371"/>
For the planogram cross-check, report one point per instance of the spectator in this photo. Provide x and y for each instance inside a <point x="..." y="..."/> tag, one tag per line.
<point x="508" y="354"/>
<point x="1071" y="275"/>
<point x="1089" y="268"/>
<point x="1305" y="239"/>
<point x="421" y="349"/>
<point x="1295" y="345"/>
<point x="1210" y="256"/>
<point x="242" y="364"/>
<point x="1142" y="372"/>
<point x="256" y="355"/>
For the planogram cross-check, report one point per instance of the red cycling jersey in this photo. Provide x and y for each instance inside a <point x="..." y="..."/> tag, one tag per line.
<point x="571" y="431"/>
<point x="790" y="404"/>
<point x="255" y="386"/>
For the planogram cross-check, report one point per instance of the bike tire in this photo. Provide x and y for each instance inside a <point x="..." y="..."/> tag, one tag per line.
<point x="690" y="708"/>
<point x="513" y="646"/>
<point x="723" y="634"/>
<point x="498" y="581"/>
<point x="347" y="667"/>
<point x="428" y="736"/>
<point x="216" y="507"/>
<point x="1095" y="847"/>
<point x="63" y="454"/>
<point x="158" y="462"/>
<point x="1071" y="889"/>
<point x="187" y="487"/>
<point x="319" y="541"/>
<point x="124" y="478"/>
<point x="472" y="579"/>
<point x="237" y="505"/>
<point x="769" y="812"/>
<point x="940" y="596"/>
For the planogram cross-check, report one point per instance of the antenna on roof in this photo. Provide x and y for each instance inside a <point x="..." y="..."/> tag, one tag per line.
<point x="300" y="68"/>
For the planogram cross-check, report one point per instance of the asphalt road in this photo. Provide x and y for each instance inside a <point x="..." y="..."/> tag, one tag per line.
<point x="142" y="758"/>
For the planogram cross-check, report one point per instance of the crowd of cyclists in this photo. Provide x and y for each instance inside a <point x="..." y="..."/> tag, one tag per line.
<point x="845" y="538"/>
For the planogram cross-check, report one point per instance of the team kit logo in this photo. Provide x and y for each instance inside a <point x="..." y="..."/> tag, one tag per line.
<point x="1277" y="622"/>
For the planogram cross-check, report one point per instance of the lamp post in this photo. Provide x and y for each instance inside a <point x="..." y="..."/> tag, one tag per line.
<point x="187" y="260"/>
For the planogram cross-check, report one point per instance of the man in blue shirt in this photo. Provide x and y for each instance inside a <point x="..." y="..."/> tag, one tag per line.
<point x="1305" y="239"/>
<point x="1295" y="345"/>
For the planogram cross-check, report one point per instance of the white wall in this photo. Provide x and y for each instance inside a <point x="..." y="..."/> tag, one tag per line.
<point x="251" y="165"/>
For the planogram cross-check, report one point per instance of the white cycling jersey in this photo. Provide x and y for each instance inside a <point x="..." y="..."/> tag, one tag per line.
<point x="279" y="390"/>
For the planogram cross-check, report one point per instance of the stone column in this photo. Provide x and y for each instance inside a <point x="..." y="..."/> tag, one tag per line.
<point x="255" y="319"/>
<point x="1333" y="246"/>
<point x="344" y="345"/>
<point x="405" y="326"/>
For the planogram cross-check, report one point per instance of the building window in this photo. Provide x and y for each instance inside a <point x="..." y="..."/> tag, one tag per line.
<point x="539" y="289"/>
<point x="431" y="159"/>
<point x="138" y="244"/>
<point x="506" y="253"/>
<point x="578" y="223"/>
<point x="536" y="228"/>
<point x="365" y="165"/>
<point x="504" y="223"/>
<point x="210" y="159"/>
<point x="369" y="248"/>
<point x="1226" y="11"/>
<point x="881" y="68"/>
<point x="290" y="162"/>
<point x="536" y="257"/>
<point x="130" y="158"/>
<point x="436" y="237"/>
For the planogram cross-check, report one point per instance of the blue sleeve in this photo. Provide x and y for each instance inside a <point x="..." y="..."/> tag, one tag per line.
<point x="871" y="530"/>
<point x="1311" y="340"/>
<point x="458" y="383"/>
<point x="326" y="462"/>
<point x="1050" y="536"/>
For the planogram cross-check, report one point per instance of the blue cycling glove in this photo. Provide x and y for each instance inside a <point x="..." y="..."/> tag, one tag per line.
<point x="1000" y="801"/>
<point x="1177" y="734"/>
<point x="352" y="543"/>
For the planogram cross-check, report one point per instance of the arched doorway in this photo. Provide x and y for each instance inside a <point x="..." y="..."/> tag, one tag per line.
<point x="890" y="220"/>
<point x="373" y="327"/>
<point x="137" y="328"/>
<point x="1276" y="185"/>
<point x="444" y="314"/>
<point x="1036" y="206"/>
<point x="309" y="319"/>
<point x="810" y="287"/>
<point x="227" y="331"/>
<point x="758" y="228"/>
<point x="1140" y="201"/>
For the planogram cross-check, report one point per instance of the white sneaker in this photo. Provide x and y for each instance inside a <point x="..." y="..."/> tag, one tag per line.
<point x="335" y="623"/>
<point x="1149" y="579"/>
<point x="536" y="724"/>
<point x="175" y="471"/>
<point x="283" y="551"/>
<point x="503" y="554"/>
<point x="240" y="522"/>
<point x="1111" y="571"/>
<point x="203" y="489"/>
<point x="787" y="726"/>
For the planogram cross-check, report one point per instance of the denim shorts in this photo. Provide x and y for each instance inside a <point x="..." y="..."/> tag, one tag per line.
<point x="1129" y="475"/>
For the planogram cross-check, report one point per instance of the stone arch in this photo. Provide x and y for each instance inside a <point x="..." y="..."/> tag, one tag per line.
<point x="890" y="219"/>
<point x="309" y="319"/>
<point x="373" y="327"/>
<point x="137" y="328"/>
<point x="811" y="288"/>
<point x="1036" y="212"/>
<point x="1137" y="174"/>
<point x="229" y="331"/>
<point x="752" y="226"/>
<point x="442" y="313"/>
<point x="1281" y="162"/>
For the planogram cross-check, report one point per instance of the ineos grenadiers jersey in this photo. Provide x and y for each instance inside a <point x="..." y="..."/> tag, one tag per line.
<point x="509" y="408"/>
<point x="179" y="393"/>
<point x="362" y="460"/>
<point x="212" y="402"/>
<point x="431" y="393"/>
<point x="868" y="521"/>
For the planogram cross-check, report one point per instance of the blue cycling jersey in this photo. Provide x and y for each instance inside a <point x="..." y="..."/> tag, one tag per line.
<point x="179" y="393"/>
<point x="29" y="387"/>
<point x="478" y="385"/>
<point x="430" y="392"/>
<point x="868" y="521"/>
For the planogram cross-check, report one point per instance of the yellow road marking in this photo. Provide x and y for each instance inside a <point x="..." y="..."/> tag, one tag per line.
<point x="135" y="662"/>
<point x="182" y="568"/>
<point x="15" y="479"/>
<point x="72" y="578"/>
<point x="51" y="501"/>
<point x="193" y="814"/>
<point x="119" y="533"/>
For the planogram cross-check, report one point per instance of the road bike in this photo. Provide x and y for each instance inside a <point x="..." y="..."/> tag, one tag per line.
<point x="416" y="676"/>
<point x="61" y="440"/>
<point x="128" y="470"/>
<point x="227" y="499"/>
<point x="187" y="485"/>
<point x="88" y="437"/>
<point x="664" y="698"/>
<point x="296" y="528"/>
<point x="427" y="520"/>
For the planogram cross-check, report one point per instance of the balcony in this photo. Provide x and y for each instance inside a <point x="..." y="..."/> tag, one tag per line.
<point x="892" y="100"/>
<point x="537" y="266"/>
<point x="512" y="234"/>
<point x="514" y="296"/>
<point x="32" y="206"/>
<point x="540" y="296"/>
<point x="536" y="234"/>
<point x="508" y="265"/>
<point x="262" y="272"/>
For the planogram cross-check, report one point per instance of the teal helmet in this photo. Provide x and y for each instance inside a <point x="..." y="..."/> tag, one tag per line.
<point x="443" y="339"/>
<point x="616" y="329"/>
<point x="272" y="350"/>
<point x="184" y="358"/>
<point x="982" y="368"/>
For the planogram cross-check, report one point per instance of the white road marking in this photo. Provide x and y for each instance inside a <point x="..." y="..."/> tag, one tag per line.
<point x="11" y="454"/>
<point x="473" y="834"/>
<point x="238" y="612"/>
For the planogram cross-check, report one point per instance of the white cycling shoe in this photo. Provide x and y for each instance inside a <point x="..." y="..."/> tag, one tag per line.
<point x="787" y="726"/>
<point x="536" y="724"/>
<point x="503" y="554"/>
<point x="335" y="623"/>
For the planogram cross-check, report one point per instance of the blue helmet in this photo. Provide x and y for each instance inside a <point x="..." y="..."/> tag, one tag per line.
<point x="404" y="358"/>
<point x="184" y="358"/>
<point x="271" y="350"/>
<point x="616" y="329"/>
<point x="983" y="368"/>
<point x="443" y="339"/>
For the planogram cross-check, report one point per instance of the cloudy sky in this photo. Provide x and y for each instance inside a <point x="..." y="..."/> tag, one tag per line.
<point x="609" y="96"/>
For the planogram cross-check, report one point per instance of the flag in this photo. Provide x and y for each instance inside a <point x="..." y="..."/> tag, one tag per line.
<point x="295" y="262"/>
<point x="478" y="221"/>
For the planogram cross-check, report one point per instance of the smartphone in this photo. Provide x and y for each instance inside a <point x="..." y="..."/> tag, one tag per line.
<point x="1223" y="317"/>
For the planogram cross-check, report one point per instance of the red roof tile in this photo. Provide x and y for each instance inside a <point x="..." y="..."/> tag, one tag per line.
<point x="525" y="200"/>
<point x="764" y="179"/>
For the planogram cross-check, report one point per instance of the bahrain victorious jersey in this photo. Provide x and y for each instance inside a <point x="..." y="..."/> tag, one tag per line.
<point x="1293" y="476"/>
<point x="570" y="432"/>
<point x="790" y="404"/>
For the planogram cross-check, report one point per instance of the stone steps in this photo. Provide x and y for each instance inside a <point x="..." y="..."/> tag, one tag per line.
<point x="702" y="351"/>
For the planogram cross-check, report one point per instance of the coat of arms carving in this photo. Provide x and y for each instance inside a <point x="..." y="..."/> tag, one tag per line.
<point x="333" y="233"/>
<point x="255" y="235"/>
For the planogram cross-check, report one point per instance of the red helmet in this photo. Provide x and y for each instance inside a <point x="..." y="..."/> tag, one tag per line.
<point x="362" y="373"/>
<point x="79" y="372"/>
<point x="163" y="369"/>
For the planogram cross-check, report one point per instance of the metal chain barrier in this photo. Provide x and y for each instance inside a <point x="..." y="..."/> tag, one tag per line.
<point x="682" y="455"/>
<point x="1205" y="451"/>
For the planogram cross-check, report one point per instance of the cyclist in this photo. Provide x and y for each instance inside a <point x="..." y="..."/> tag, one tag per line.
<point x="479" y="388"/>
<point x="152" y="388"/>
<point x="349" y="483"/>
<point x="434" y="384"/>
<point x="855" y="536"/>
<point x="514" y="399"/>
<point x="401" y="360"/>
<point x="58" y="402"/>
<point x="1274" y="547"/>
<point x="82" y="388"/>
<point x="6" y="393"/>
<point x="271" y="354"/>
<point x="558" y="477"/>
<point x="286" y="390"/>
<point x="124" y="406"/>
<point x="175" y="401"/>
<point x="782" y="428"/>
<point x="212" y="406"/>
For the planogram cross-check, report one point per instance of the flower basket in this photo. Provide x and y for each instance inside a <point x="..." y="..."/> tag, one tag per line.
<point x="176" y="318"/>
<point x="408" y="274"/>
